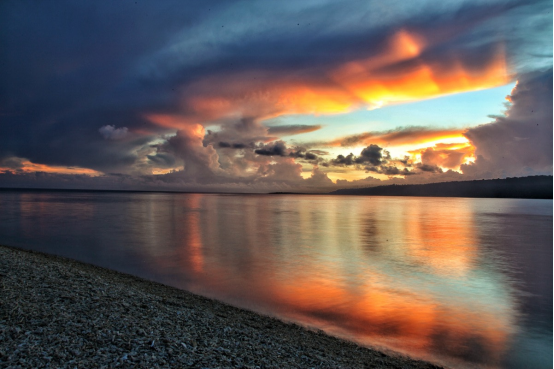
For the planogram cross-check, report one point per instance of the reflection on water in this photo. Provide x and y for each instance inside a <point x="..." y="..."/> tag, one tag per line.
<point x="462" y="282"/>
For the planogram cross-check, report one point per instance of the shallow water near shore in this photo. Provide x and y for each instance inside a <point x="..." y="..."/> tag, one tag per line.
<point x="456" y="281"/>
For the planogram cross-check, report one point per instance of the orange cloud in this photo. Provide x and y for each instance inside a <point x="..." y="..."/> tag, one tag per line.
<point x="445" y="155"/>
<point x="253" y="94"/>
<point x="370" y="80"/>
<point x="27" y="166"/>
<point x="406" y="136"/>
<point x="401" y="72"/>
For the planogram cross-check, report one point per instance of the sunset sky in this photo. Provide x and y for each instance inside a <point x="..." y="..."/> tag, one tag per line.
<point x="258" y="96"/>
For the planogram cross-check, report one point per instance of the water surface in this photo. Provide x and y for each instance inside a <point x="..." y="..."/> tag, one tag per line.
<point x="460" y="282"/>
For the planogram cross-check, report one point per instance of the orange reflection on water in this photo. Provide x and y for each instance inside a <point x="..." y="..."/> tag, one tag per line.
<point x="393" y="318"/>
<point x="182" y="224"/>
<point x="445" y="241"/>
<point x="192" y="240"/>
<point x="395" y="273"/>
<point x="427" y="277"/>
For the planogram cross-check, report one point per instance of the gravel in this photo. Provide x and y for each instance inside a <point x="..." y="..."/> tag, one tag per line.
<point x="56" y="312"/>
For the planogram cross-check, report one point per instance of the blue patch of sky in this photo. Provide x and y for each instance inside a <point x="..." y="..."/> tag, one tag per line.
<point x="460" y="110"/>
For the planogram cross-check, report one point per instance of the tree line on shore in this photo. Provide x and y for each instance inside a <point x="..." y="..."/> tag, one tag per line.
<point x="532" y="187"/>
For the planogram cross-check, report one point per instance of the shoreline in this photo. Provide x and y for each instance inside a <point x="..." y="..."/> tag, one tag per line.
<point x="64" y="313"/>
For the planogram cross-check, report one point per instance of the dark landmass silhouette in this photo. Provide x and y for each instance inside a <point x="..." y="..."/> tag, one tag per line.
<point x="533" y="187"/>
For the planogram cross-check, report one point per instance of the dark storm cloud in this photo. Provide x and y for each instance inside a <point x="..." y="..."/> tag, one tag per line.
<point x="228" y="145"/>
<point x="373" y="154"/>
<point x="428" y="168"/>
<point x="301" y="153"/>
<point x="279" y="149"/>
<point x="374" y="159"/>
<point x="74" y="73"/>
<point x="68" y="69"/>
<point x="273" y="149"/>
<point x="347" y="160"/>
<point x="224" y="144"/>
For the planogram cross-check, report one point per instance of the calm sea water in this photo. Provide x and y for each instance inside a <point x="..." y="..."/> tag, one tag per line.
<point x="461" y="282"/>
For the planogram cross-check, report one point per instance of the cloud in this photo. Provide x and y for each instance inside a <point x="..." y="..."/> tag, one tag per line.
<point x="17" y="165"/>
<point x="374" y="159"/>
<point x="112" y="133"/>
<point x="224" y="145"/>
<point x="293" y="129"/>
<point x="428" y="168"/>
<point x="373" y="155"/>
<point x="319" y="178"/>
<point x="444" y="155"/>
<point x="398" y="136"/>
<point x="150" y="75"/>
<point x="285" y="170"/>
<point x="519" y="143"/>
<point x="200" y="162"/>
<point x="390" y="170"/>
<point x="279" y="149"/>
<point x="402" y="72"/>
<point x="241" y="133"/>
<point x="12" y="163"/>
<point x="273" y="149"/>
<point x="163" y="160"/>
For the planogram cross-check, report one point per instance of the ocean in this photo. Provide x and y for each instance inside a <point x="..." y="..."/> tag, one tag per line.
<point x="457" y="281"/>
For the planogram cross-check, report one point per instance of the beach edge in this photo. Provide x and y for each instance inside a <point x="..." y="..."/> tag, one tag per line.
<point x="81" y="314"/>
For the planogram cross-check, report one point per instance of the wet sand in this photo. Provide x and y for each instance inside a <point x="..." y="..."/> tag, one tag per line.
<point x="56" y="312"/>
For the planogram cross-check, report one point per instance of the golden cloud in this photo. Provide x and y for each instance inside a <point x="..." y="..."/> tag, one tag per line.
<point x="401" y="72"/>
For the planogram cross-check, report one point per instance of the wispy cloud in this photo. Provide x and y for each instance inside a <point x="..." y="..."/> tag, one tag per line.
<point x="293" y="129"/>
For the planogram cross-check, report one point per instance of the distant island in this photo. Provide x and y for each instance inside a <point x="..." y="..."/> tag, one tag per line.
<point x="533" y="187"/>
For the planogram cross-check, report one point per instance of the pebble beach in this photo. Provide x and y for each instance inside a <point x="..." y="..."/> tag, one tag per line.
<point x="60" y="313"/>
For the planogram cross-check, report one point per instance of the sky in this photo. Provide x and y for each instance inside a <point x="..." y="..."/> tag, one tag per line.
<point x="263" y="96"/>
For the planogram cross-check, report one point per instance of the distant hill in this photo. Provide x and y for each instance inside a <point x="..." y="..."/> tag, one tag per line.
<point x="534" y="187"/>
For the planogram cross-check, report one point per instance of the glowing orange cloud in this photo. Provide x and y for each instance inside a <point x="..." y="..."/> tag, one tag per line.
<point x="409" y="136"/>
<point x="255" y="95"/>
<point x="445" y="155"/>
<point x="397" y="74"/>
<point x="368" y="79"/>
<point x="29" y="167"/>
